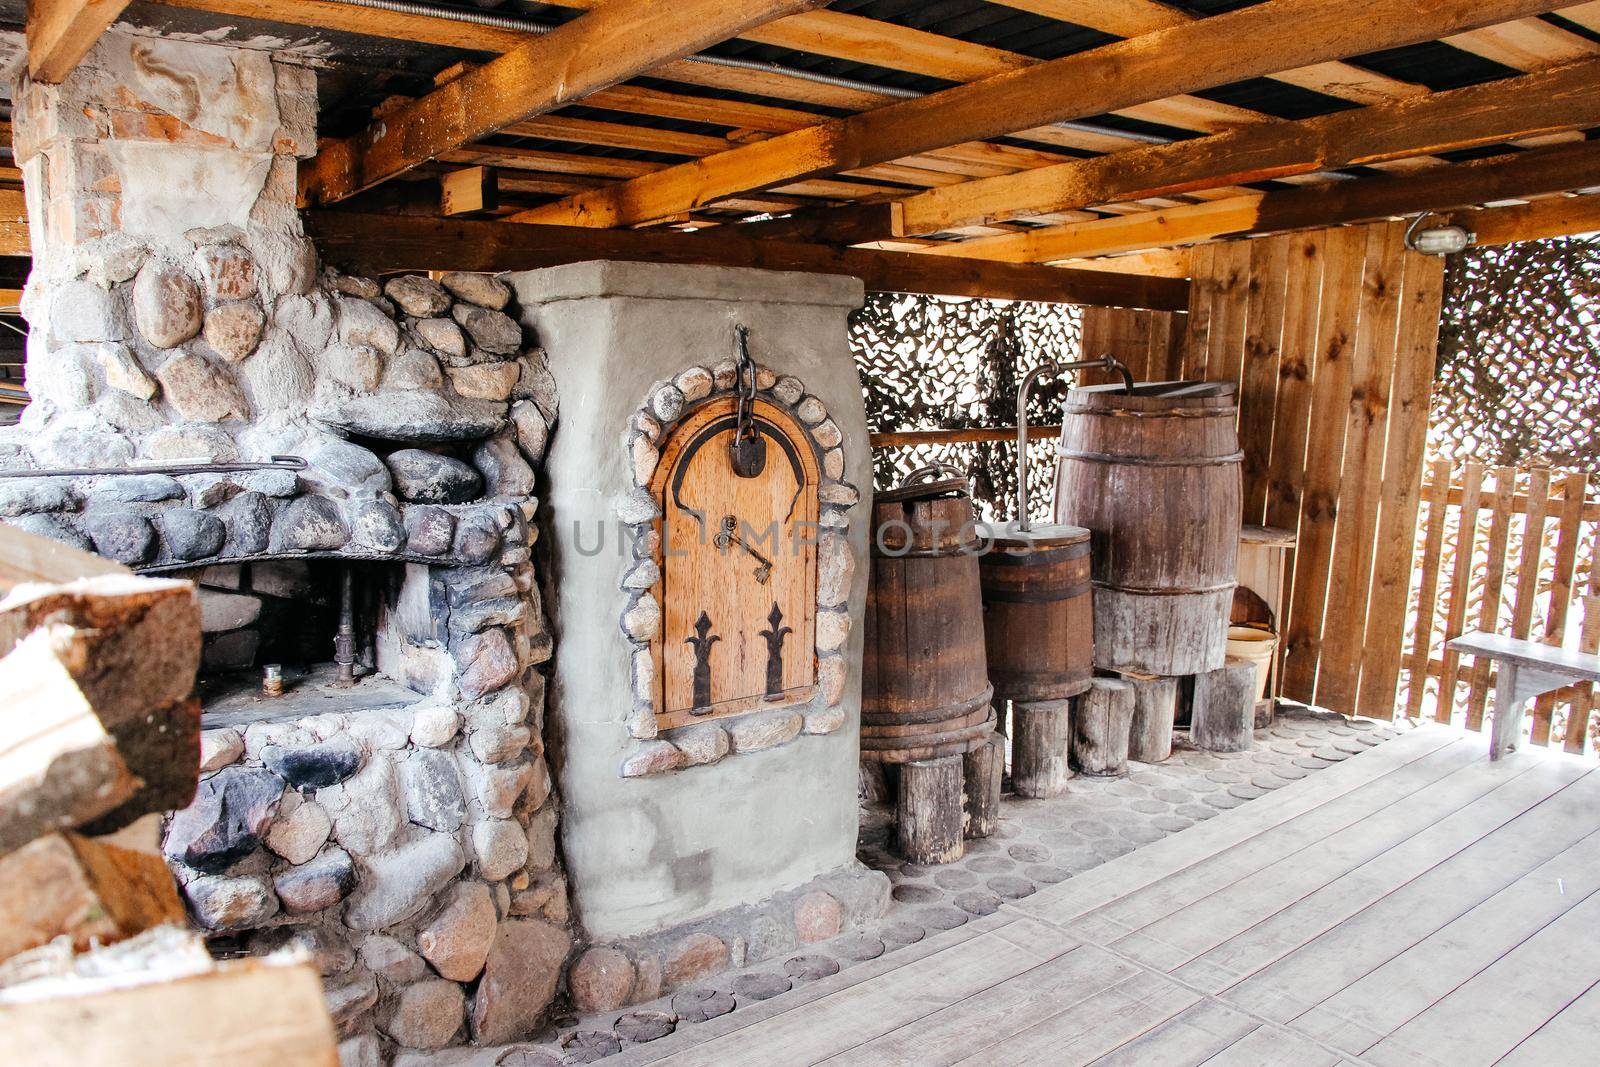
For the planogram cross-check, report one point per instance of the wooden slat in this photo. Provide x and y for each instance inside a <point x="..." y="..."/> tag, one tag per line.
<point x="1559" y="216"/>
<point x="61" y="32"/>
<point x="1225" y="339"/>
<point x="1584" y="700"/>
<point x="384" y="243"/>
<point x="1361" y="478"/>
<point x="1524" y="44"/>
<point x="1154" y="66"/>
<point x="1427" y="597"/>
<point x="1527" y="587"/>
<point x="1547" y="170"/>
<point x="1268" y="917"/>
<point x="610" y="45"/>
<point x="1460" y="585"/>
<point x="1478" y="115"/>
<point x="1258" y="379"/>
<point x="1494" y="575"/>
<point x="1533" y="846"/>
<point x="1569" y="527"/>
<point x="1197" y="327"/>
<point x="1319" y="501"/>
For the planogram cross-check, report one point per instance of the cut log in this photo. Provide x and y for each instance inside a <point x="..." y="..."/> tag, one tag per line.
<point x="1155" y="706"/>
<point x="150" y="1004"/>
<point x="929" y="811"/>
<point x="88" y="890"/>
<point x="59" y="765"/>
<point x="984" y="766"/>
<point x="1222" y="713"/>
<point x="26" y="557"/>
<point x="131" y="647"/>
<point x="1101" y="720"/>
<point x="1266" y="711"/>
<point x="1039" y="764"/>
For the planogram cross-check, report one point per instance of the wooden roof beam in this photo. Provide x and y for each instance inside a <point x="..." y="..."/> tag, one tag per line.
<point x="381" y="243"/>
<point x="610" y="45"/>
<point x="1238" y="45"/>
<point x="1561" y="99"/>
<point x="61" y="32"/>
<point x="1555" y="217"/>
<point x="1546" y="170"/>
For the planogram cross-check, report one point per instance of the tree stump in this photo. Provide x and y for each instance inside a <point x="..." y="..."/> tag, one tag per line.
<point x="929" y="811"/>
<point x="1266" y="712"/>
<point x="984" y="766"/>
<point x="1222" y="714"/>
<point x="1101" y="719"/>
<point x="1039" y="766"/>
<point x="1155" y="705"/>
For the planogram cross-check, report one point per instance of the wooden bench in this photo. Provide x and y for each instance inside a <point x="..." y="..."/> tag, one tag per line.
<point x="1526" y="669"/>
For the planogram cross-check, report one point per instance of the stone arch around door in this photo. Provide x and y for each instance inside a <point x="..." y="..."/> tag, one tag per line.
<point x="808" y="588"/>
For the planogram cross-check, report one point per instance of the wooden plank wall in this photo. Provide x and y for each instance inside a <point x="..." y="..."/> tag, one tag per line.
<point x="1331" y="336"/>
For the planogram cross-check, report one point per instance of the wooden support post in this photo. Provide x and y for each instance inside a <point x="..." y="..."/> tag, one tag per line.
<point x="1102" y="717"/>
<point x="470" y="189"/>
<point x="984" y="767"/>
<point x="1041" y="734"/>
<point x="929" y="810"/>
<point x="1222" y="714"/>
<point x="1155" y="705"/>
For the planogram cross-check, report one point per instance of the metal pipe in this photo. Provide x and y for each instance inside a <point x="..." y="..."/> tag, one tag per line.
<point x="1105" y="363"/>
<point x="277" y="463"/>
<point x="520" y="25"/>
<point x="344" y="641"/>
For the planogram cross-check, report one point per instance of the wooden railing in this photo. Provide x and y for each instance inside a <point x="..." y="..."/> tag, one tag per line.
<point x="1506" y="551"/>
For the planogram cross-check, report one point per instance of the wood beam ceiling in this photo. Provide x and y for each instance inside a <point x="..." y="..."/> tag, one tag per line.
<point x="1559" y="216"/>
<point x="1534" y="173"/>
<point x="383" y="243"/>
<point x="1154" y="66"/>
<point x="1560" y="99"/>
<point x="602" y="48"/>
<point x="61" y="32"/>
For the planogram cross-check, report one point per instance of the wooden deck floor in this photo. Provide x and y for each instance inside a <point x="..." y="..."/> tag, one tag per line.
<point x="1412" y="905"/>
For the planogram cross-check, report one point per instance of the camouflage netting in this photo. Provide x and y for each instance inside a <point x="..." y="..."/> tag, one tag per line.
<point x="943" y="363"/>
<point x="1519" y="356"/>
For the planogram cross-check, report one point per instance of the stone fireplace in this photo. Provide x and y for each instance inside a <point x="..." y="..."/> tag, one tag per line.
<point x="347" y="468"/>
<point x="280" y="433"/>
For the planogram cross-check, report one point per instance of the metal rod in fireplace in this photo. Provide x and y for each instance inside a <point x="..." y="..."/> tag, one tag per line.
<point x="276" y="463"/>
<point x="344" y="641"/>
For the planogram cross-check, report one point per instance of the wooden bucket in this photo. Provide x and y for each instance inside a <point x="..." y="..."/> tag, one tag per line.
<point x="1155" y="477"/>
<point x="1038" y="622"/>
<point x="924" y="687"/>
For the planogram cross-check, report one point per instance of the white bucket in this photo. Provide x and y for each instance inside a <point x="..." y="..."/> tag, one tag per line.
<point x="1257" y="646"/>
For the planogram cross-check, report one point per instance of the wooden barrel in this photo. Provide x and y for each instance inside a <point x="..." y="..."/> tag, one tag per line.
<point x="1038" y="623"/>
<point x="1154" y="476"/>
<point x="924" y="681"/>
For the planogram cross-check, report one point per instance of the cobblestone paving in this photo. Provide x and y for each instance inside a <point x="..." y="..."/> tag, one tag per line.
<point x="1039" y="843"/>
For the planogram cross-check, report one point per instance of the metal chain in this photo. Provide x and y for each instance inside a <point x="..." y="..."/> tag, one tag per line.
<point x="744" y="379"/>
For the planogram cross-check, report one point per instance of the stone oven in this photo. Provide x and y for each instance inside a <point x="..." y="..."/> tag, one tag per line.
<point x="279" y="433"/>
<point x="709" y="786"/>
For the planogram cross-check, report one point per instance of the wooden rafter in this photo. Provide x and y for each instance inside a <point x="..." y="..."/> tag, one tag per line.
<point x="1559" y="216"/>
<point x="1280" y="33"/>
<point x="381" y="243"/>
<point x="602" y="48"/>
<point x="1535" y="173"/>
<point x="1564" y="98"/>
<point x="61" y="32"/>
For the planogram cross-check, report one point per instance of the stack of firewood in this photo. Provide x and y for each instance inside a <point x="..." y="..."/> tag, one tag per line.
<point x="100" y="734"/>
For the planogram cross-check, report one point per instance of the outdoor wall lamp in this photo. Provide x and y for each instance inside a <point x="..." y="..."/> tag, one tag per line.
<point x="1437" y="240"/>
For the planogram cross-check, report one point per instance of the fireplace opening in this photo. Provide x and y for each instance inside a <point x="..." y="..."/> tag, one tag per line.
<point x="289" y="638"/>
